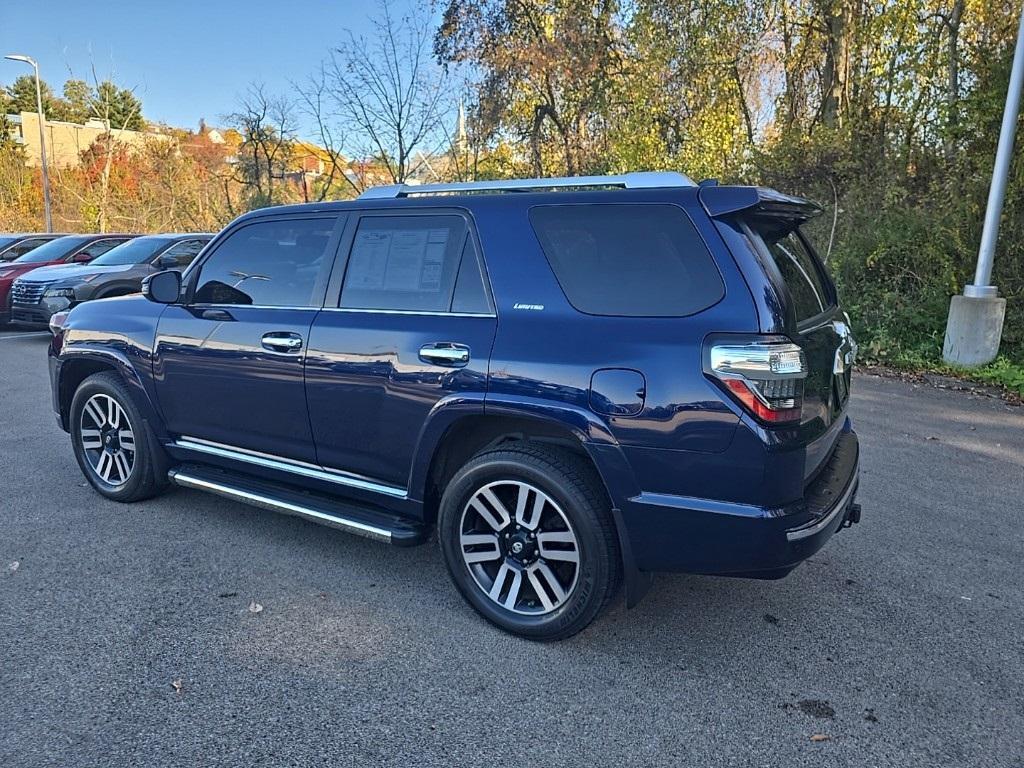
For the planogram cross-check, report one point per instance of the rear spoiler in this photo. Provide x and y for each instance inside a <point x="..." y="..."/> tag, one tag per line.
<point x="720" y="202"/>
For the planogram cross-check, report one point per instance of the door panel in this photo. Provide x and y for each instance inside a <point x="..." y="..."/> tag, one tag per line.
<point x="378" y="365"/>
<point x="216" y="381"/>
<point x="228" y="364"/>
<point x="370" y="391"/>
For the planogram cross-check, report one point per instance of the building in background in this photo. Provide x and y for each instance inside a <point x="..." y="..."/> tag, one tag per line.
<point x="65" y="142"/>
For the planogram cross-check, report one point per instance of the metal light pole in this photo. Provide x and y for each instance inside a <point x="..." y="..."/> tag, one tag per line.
<point x="42" y="134"/>
<point x="975" y="324"/>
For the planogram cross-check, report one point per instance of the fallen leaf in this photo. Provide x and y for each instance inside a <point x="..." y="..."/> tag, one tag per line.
<point x="931" y="437"/>
<point x="177" y="685"/>
<point x="821" y="737"/>
<point x="13" y="566"/>
<point x="255" y="607"/>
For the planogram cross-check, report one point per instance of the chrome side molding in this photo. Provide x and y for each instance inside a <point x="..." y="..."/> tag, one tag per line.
<point x="286" y="465"/>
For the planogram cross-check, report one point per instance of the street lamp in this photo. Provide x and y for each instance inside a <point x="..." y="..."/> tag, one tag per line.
<point x="42" y="135"/>
<point x="974" y="327"/>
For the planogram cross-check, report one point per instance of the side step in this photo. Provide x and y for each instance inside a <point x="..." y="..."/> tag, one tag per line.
<point x="367" y="521"/>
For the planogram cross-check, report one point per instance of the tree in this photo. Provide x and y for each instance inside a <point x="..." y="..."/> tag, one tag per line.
<point x="388" y="98"/>
<point x="547" y="73"/>
<point x="76" y="106"/>
<point x="267" y="126"/>
<point x="22" y="95"/>
<point x="118" y="105"/>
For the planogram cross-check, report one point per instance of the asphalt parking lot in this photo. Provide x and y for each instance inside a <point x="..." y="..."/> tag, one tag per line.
<point x="126" y="636"/>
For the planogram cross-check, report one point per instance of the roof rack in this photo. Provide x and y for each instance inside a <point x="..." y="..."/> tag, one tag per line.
<point x="642" y="180"/>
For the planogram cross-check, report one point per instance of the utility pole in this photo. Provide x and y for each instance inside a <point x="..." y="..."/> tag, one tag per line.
<point x="42" y="134"/>
<point x="975" y="325"/>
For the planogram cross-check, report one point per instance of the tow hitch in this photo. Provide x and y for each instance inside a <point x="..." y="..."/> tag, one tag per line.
<point x="852" y="516"/>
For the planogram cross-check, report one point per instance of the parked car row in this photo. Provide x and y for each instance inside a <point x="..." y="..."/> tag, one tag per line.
<point x="50" y="273"/>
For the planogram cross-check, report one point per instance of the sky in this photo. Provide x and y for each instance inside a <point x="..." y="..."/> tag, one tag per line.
<point x="185" y="59"/>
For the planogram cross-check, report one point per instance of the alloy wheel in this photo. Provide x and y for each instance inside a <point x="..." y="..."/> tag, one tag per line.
<point x="519" y="547"/>
<point x="108" y="440"/>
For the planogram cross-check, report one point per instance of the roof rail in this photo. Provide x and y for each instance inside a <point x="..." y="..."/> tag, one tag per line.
<point x="641" y="180"/>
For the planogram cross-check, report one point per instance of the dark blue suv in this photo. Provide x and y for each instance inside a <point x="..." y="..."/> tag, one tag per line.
<point x="576" y="382"/>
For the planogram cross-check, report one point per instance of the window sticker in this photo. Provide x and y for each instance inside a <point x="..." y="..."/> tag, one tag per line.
<point x="405" y="260"/>
<point x="399" y="260"/>
<point x="369" y="260"/>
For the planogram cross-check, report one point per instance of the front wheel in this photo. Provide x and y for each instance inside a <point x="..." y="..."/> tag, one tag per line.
<point x="528" y="538"/>
<point x="111" y="441"/>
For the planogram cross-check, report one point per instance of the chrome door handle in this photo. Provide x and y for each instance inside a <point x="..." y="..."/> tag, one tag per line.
<point x="445" y="353"/>
<point x="280" y="341"/>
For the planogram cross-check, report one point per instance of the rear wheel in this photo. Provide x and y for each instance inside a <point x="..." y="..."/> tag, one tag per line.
<point x="527" y="535"/>
<point x="111" y="440"/>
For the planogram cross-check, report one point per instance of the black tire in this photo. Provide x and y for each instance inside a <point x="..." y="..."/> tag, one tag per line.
<point x="573" y="485"/>
<point x="145" y="478"/>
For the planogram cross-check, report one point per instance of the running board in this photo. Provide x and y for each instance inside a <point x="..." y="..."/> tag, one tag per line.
<point x="375" y="524"/>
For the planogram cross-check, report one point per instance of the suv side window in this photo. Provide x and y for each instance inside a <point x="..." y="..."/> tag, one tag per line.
<point x="470" y="293"/>
<point x="183" y="252"/>
<point x="276" y="263"/>
<point x="405" y="263"/>
<point x="628" y="260"/>
<point x="99" y="247"/>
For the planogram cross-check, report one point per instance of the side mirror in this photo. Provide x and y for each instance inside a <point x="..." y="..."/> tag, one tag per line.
<point x="163" y="287"/>
<point x="167" y="262"/>
<point x="82" y="258"/>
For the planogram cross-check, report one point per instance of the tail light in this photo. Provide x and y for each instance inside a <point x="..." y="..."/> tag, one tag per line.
<point x="765" y="376"/>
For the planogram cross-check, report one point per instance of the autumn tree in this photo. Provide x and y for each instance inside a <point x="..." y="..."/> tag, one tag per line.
<point x="547" y="74"/>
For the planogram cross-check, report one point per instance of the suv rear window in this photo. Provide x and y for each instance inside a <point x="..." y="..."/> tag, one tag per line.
<point x="628" y="260"/>
<point x="799" y="268"/>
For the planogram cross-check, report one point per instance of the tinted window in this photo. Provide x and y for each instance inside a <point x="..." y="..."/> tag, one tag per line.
<point x="131" y="252"/>
<point x="21" y="248"/>
<point x="470" y="293"/>
<point x="99" y="247"/>
<point x="404" y="263"/>
<point x="182" y="253"/>
<point x="273" y="263"/>
<point x="800" y="270"/>
<point x="55" y="250"/>
<point x="628" y="260"/>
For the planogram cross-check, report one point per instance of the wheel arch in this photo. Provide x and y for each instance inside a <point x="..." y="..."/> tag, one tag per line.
<point x="467" y="433"/>
<point x="77" y="366"/>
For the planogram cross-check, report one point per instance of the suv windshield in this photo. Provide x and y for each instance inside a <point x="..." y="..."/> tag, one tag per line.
<point x="133" y="252"/>
<point x="799" y="268"/>
<point x="55" y="250"/>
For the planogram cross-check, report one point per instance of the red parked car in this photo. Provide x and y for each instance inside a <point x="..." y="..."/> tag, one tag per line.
<point x="73" y="249"/>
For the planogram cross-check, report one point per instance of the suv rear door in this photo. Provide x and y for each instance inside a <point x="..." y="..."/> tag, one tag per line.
<point x="408" y="323"/>
<point x="228" y="361"/>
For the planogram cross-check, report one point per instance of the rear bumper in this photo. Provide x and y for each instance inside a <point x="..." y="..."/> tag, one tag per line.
<point x="676" y="533"/>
